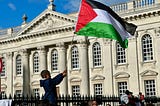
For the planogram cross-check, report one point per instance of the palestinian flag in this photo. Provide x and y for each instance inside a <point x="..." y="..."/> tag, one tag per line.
<point x="98" y="20"/>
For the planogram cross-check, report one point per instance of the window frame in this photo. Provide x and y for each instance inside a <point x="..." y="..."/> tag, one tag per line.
<point x="36" y="62"/>
<point x="97" y="55"/>
<point x="18" y="65"/>
<point x="152" y="91"/>
<point x="98" y="89"/>
<point x="75" y="58"/>
<point x="76" y="90"/>
<point x="120" y="54"/>
<point x="54" y="60"/>
<point x="147" y="48"/>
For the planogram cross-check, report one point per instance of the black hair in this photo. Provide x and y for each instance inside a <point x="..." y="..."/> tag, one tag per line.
<point x="44" y="73"/>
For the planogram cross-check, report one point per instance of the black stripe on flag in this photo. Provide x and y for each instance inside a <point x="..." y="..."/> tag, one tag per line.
<point x="129" y="27"/>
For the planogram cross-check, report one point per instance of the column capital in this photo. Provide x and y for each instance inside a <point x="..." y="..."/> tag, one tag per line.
<point x="61" y="44"/>
<point x="23" y="50"/>
<point x="82" y="41"/>
<point x="9" y="54"/>
<point x="41" y="48"/>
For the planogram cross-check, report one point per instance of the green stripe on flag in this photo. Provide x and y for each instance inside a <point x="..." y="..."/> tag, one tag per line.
<point x="102" y="30"/>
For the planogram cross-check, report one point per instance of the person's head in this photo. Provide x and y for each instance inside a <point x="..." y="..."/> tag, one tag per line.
<point x="127" y="92"/>
<point x="140" y="93"/>
<point x="45" y="74"/>
<point x="92" y="103"/>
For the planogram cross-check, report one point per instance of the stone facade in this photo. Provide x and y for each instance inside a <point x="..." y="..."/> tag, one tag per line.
<point x="28" y="49"/>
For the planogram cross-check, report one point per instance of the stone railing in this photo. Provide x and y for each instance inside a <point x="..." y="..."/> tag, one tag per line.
<point x="133" y="5"/>
<point x="10" y="31"/>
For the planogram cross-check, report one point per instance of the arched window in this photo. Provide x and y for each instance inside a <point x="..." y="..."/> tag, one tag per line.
<point x="3" y="73"/>
<point x="96" y="55"/>
<point x="75" y="57"/>
<point x="54" y="60"/>
<point x="147" y="49"/>
<point x="35" y="62"/>
<point x="18" y="65"/>
<point x="121" y="54"/>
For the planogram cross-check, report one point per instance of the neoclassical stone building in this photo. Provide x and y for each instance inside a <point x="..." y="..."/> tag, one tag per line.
<point x="96" y="66"/>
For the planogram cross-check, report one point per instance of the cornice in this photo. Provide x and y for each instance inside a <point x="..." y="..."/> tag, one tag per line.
<point x="142" y="15"/>
<point x="38" y="34"/>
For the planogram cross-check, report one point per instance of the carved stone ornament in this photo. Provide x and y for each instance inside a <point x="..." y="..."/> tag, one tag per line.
<point x="49" y="23"/>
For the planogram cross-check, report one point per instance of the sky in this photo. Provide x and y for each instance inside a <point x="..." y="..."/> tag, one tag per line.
<point x="11" y="11"/>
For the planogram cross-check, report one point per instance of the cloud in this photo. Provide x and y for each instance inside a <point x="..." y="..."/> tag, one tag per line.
<point x="12" y="6"/>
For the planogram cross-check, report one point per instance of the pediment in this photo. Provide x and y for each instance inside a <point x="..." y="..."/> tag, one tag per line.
<point x="47" y="20"/>
<point x="148" y="73"/>
<point x="18" y="84"/>
<point x="121" y="75"/>
<point x="35" y="83"/>
<point x="75" y="79"/>
<point x="4" y="86"/>
<point x="98" y="77"/>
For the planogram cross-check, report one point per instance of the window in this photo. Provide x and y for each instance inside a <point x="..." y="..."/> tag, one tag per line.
<point x="18" y="65"/>
<point x="147" y="48"/>
<point x="75" y="58"/>
<point x="36" y="92"/>
<point x="36" y="62"/>
<point x="54" y="59"/>
<point x="3" y="94"/>
<point x="18" y="93"/>
<point x="96" y="55"/>
<point x="121" y="54"/>
<point x="76" y="90"/>
<point x="3" y="73"/>
<point x="122" y="87"/>
<point x="150" y="89"/>
<point x="98" y="89"/>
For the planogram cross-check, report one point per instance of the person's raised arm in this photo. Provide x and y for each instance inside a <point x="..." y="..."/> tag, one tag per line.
<point x="57" y="79"/>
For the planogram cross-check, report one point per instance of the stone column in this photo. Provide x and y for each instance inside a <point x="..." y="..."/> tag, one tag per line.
<point x="26" y="72"/>
<point x="9" y="72"/>
<point x="83" y="55"/>
<point x="42" y="58"/>
<point x="62" y="67"/>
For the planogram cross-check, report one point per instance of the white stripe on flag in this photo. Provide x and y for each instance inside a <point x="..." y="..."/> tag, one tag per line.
<point x="105" y="17"/>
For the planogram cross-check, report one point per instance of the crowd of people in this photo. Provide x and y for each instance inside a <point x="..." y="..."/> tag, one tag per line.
<point x="49" y="85"/>
<point x="128" y="99"/>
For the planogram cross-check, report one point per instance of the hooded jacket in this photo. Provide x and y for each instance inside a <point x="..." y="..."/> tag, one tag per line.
<point x="49" y="86"/>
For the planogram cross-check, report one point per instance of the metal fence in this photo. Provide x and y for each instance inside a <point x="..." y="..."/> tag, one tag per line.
<point x="67" y="100"/>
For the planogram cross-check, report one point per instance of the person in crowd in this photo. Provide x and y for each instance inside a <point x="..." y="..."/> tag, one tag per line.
<point x="131" y="99"/>
<point x="124" y="98"/>
<point x="141" y="98"/>
<point x="49" y="86"/>
<point x="92" y="103"/>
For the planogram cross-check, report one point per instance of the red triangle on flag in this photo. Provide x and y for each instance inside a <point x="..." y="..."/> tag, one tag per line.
<point x="86" y="14"/>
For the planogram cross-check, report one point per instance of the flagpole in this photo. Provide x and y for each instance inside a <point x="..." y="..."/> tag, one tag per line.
<point x="137" y="61"/>
<point x="112" y="67"/>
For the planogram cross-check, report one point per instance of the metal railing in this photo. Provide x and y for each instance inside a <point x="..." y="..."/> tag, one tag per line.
<point x="67" y="100"/>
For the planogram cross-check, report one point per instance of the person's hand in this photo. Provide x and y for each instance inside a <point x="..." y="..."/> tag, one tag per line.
<point x="64" y="73"/>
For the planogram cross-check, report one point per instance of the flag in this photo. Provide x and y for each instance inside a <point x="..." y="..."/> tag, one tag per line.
<point x="99" y="20"/>
<point x="1" y="65"/>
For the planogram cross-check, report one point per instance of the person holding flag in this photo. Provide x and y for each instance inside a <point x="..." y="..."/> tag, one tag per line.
<point x="99" y="20"/>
